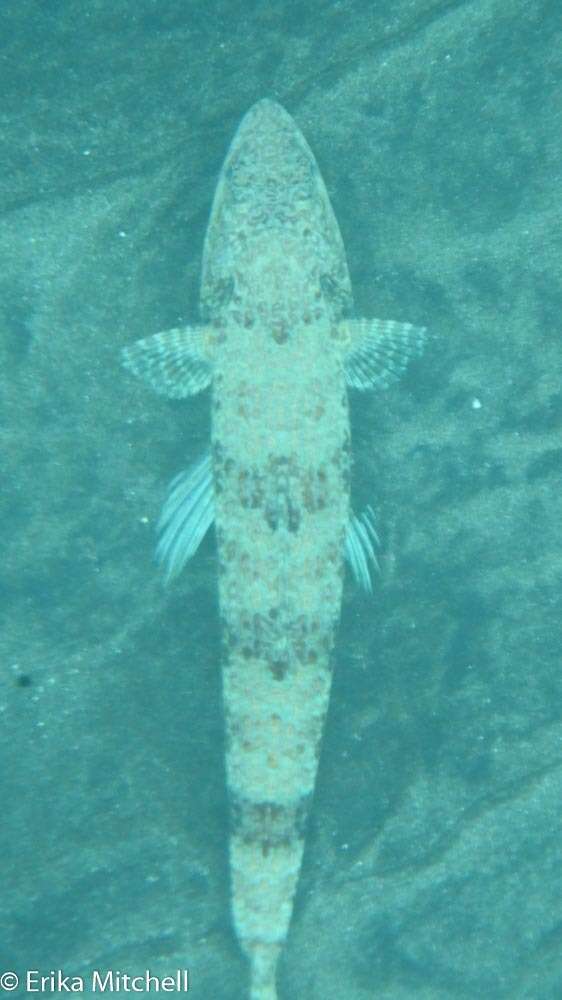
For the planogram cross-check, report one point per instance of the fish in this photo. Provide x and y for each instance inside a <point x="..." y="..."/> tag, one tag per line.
<point x="280" y="348"/>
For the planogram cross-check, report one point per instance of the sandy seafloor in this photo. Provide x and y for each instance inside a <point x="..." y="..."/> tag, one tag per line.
<point x="434" y="857"/>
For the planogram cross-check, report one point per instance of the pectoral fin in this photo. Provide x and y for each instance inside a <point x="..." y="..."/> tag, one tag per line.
<point x="175" y="363"/>
<point x="379" y="350"/>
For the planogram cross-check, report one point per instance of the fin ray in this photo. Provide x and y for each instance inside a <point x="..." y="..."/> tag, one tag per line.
<point x="172" y="362"/>
<point x="380" y="350"/>
<point x="360" y="542"/>
<point x="187" y="515"/>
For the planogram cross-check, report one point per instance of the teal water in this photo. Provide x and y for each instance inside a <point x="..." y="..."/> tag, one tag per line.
<point x="433" y="852"/>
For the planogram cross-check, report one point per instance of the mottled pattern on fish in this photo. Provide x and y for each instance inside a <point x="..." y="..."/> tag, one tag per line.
<point x="279" y="346"/>
<point x="274" y="267"/>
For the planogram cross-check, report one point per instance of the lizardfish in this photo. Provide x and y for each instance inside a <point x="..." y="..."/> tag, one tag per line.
<point x="280" y="349"/>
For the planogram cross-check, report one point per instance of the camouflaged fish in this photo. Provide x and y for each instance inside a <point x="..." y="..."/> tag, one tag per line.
<point x="279" y="349"/>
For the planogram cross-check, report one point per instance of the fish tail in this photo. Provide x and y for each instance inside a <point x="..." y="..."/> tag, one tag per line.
<point x="264" y="880"/>
<point x="274" y="728"/>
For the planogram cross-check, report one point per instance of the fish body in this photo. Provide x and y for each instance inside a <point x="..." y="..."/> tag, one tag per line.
<point x="280" y="446"/>
<point x="279" y="347"/>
